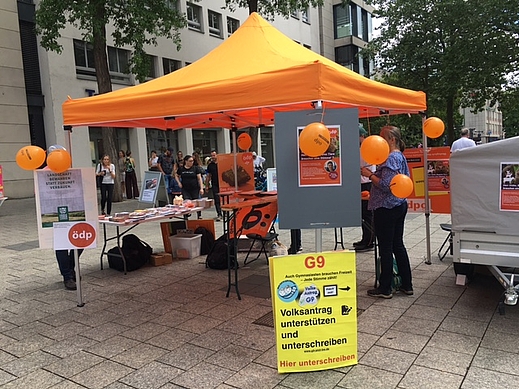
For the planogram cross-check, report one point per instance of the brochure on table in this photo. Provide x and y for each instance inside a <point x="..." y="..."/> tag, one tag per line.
<point x="67" y="201"/>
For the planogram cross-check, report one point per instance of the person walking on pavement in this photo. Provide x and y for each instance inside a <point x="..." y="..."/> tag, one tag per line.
<point x="463" y="142"/>
<point x="106" y="169"/>
<point x="189" y="179"/>
<point x="366" y="242"/>
<point x="132" y="189"/>
<point x="212" y="180"/>
<point x="167" y="166"/>
<point x="389" y="216"/>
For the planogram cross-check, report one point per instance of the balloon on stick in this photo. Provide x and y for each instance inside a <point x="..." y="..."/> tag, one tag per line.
<point x="401" y="186"/>
<point x="244" y="141"/>
<point x="30" y="157"/>
<point x="314" y="140"/>
<point x="59" y="161"/>
<point x="433" y="127"/>
<point x="374" y="150"/>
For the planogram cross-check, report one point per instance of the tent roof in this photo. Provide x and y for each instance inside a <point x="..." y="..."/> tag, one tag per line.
<point x="256" y="72"/>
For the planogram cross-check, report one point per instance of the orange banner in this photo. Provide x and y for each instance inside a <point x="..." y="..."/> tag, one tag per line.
<point x="438" y="175"/>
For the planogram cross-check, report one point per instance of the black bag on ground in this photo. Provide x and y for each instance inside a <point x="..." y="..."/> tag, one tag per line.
<point x="217" y="258"/>
<point x="207" y="240"/>
<point x="136" y="253"/>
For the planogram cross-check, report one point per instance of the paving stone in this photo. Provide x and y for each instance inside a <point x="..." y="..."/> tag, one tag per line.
<point x="455" y="342"/>
<point x="101" y="375"/>
<point x="29" y="363"/>
<point x="139" y="356"/>
<point x="496" y="360"/>
<point x="203" y="375"/>
<point x="424" y="378"/>
<point x="388" y="359"/>
<point x="366" y="377"/>
<point x="416" y="326"/>
<point x="316" y="379"/>
<point x="74" y="364"/>
<point x="501" y="341"/>
<point x="153" y="375"/>
<point x="403" y="341"/>
<point x="186" y="356"/>
<point x="39" y="378"/>
<point x="478" y="378"/>
<point x="234" y="357"/>
<point x="463" y="326"/>
<point x="444" y="360"/>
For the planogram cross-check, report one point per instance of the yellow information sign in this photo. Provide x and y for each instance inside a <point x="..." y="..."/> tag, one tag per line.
<point x="314" y="301"/>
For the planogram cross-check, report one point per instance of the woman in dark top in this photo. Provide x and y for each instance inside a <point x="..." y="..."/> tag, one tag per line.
<point x="189" y="178"/>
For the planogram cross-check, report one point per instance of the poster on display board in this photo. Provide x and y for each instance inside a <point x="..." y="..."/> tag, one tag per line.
<point x="438" y="174"/>
<point x="324" y="170"/>
<point x="150" y="187"/>
<point x="69" y="197"/>
<point x="509" y="188"/>
<point x="227" y="173"/>
<point x="314" y="302"/>
<point x="272" y="179"/>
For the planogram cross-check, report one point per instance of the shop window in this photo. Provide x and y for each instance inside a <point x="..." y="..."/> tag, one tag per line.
<point x="215" y="23"/>
<point x="194" y="17"/>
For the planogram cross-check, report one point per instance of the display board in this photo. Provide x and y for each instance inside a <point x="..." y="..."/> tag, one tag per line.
<point x="69" y="197"/>
<point x="328" y="204"/>
<point x="151" y="184"/>
<point x="314" y="301"/>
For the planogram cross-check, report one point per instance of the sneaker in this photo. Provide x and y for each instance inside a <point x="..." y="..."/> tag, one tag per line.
<point x="299" y="250"/>
<point x="199" y="217"/>
<point x="408" y="292"/>
<point x="218" y="218"/>
<point x="364" y="248"/>
<point x="378" y="293"/>
<point x="359" y="243"/>
<point x="70" y="284"/>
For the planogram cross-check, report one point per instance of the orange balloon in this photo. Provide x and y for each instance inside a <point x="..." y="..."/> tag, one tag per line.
<point x="374" y="150"/>
<point x="244" y="141"/>
<point x="433" y="127"/>
<point x="30" y="157"/>
<point x="314" y="140"/>
<point x="59" y="161"/>
<point x="401" y="186"/>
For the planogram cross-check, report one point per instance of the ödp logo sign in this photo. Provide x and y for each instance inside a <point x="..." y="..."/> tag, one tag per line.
<point x="82" y="235"/>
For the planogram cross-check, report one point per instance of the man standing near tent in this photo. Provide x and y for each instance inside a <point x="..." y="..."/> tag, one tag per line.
<point x="463" y="142"/>
<point x="167" y="166"/>
<point x="212" y="177"/>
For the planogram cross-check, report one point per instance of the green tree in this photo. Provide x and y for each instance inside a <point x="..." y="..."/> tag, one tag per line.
<point x="458" y="52"/>
<point x="136" y="23"/>
<point x="510" y="108"/>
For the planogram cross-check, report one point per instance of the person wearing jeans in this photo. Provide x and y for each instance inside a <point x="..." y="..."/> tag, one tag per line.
<point x="389" y="216"/>
<point x="67" y="264"/>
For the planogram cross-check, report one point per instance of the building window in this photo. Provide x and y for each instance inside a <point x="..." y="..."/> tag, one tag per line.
<point x="304" y="15"/>
<point x="84" y="57"/>
<point x="170" y="65"/>
<point x="194" y="17"/>
<point x="232" y="25"/>
<point x="118" y="64"/>
<point x="347" y="57"/>
<point x="152" y="70"/>
<point x="294" y="14"/>
<point x="341" y="21"/>
<point x="215" y="23"/>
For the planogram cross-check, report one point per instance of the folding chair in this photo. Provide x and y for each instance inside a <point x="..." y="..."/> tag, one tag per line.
<point x="446" y="227"/>
<point x="264" y="240"/>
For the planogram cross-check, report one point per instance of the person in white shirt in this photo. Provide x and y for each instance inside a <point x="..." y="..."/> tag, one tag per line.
<point x="258" y="160"/>
<point x="463" y="142"/>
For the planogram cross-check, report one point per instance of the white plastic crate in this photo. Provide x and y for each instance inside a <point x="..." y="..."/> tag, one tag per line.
<point x="186" y="246"/>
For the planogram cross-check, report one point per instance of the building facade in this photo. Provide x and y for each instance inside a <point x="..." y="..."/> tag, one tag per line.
<point x="36" y="82"/>
<point x="485" y="126"/>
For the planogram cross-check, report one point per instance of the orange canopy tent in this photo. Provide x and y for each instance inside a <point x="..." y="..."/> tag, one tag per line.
<point x="242" y="83"/>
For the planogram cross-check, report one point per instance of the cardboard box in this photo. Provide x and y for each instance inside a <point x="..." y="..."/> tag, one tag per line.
<point x="159" y="259"/>
<point x="186" y="246"/>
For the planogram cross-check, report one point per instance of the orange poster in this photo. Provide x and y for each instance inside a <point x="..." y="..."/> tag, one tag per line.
<point x="227" y="173"/>
<point x="438" y="175"/>
<point x="324" y="170"/>
<point x="509" y="191"/>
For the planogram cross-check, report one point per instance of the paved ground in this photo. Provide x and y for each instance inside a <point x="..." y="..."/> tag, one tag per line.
<point x="172" y="327"/>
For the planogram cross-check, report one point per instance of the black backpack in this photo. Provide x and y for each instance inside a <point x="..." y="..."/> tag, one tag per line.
<point x="136" y="253"/>
<point x="217" y="258"/>
<point x="207" y="241"/>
